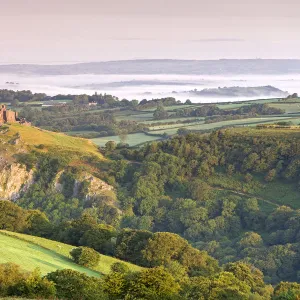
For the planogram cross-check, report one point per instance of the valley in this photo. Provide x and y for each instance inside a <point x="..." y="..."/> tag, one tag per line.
<point x="219" y="182"/>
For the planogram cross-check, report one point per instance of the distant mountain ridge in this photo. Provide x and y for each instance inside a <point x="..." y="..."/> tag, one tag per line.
<point x="164" y="66"/>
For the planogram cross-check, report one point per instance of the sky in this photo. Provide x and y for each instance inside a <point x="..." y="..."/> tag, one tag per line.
<point x="68" y="31"/>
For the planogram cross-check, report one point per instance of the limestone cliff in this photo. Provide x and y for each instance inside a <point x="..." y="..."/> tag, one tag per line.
<point x="14" y="179"/>
<point x="94" y="185"/>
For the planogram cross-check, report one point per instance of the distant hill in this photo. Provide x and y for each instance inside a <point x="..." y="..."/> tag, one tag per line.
<point x="163" y="66"/>
<point x="236" y="91"/>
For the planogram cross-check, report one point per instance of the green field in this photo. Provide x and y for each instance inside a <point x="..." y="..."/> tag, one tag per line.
<point x="132" y="139"/>
<point x="178" y="125"/>
<point x="237" y="104"/>
<point x="30" y="256"/>
<point x="288" y="107"/>
<point x="179" y="119"/>
<point x="46" y="254"/>
<point x="138" y="117"/>
<point x="140" y="138"/>
<point x="246" y="122"/>
<point x="173" y="107"/>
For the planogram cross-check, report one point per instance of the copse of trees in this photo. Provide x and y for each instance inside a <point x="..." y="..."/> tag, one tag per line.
<point x="16" y="282"/>
<point x="238" y="280"/>
<point x="21" y="96"/>
<point x="160" y="113"/>
<point x="85" y="256"/>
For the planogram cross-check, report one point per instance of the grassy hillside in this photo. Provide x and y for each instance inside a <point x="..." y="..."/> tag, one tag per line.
<point x="34" y="136"/>
<point x="32" y="252"/>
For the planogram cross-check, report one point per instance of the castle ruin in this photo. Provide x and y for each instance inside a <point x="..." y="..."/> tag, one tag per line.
<point x="10" y="116"/>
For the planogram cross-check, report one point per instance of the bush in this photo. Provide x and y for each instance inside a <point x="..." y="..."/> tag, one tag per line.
<point x="85" y="256"/>
<point x="34" y="286"/>
<point x="74" y="285"/>
<point x="119" y="267"/>
<point x="10" y="274"/>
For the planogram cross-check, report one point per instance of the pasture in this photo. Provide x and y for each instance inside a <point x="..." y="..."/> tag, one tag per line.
<point x="246" y="122"/>
<point x="47" y="255"/>
<point x="30" y="256"/>
<point x="131" y="139"/>
<point x="35" y="136"/>
<point x="288" y="107"/>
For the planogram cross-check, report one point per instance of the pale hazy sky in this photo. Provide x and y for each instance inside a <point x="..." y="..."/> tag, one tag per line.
<point x="47" y="31"/>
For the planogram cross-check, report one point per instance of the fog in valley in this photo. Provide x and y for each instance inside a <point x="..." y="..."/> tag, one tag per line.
<point x="146" y="86"/>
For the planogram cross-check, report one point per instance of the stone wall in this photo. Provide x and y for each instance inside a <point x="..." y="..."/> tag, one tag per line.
<point x="7" y="116"/>
<point x="10" y="116"/>
<point x="2" y="109"/>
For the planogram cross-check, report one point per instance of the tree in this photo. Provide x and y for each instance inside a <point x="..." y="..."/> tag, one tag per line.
<point x="85" y="256"/>
<point x="77" y="228"/>
<point x="199" y="190"/>
<point x="38" y="224"/>
<point x="163" y="248"/>
<point x="119" y="268"/>
<point x="183" y="131"/>
<point x="10" y="274"/>
<point x="196" y="288"/>
<point x="130" y="244"/>
<point x="160" y="113"/>
<point x="123" y="133"/>
<point x="287" y="291"/>
<point x="247" y="273"/>
<point x="99" y="238"/>
<point x="226" y="286"/>
<point x="251" y="239"/>
<point x="270" y="175"/>
<point x="115" y="285"/>
<point x="248" y="177"/>
<point x="12" y="217"/>
<point x="72" y="284"/>
<point x="14" y="102"/>
<point x="34" y="286"/>
<point x="198" y="263"/>
<point x="110" y="146"/>
<point x="155" y="283"/>
<point x="222" y="286"/>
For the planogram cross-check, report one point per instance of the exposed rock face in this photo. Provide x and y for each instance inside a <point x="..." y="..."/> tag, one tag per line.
<point x="14" y="179"/>
<point x="95" y="187"/>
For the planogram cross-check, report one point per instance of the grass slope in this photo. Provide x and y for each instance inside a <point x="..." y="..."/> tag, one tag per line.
<point x="34" y="136"/>
<point x="30" y="256"/>
<point x="31" y="252"/>
<point x="132" y="139"/>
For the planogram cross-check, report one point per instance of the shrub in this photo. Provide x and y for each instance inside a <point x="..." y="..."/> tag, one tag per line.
<point x="119" y="267"/>
<point x="85" y="256"/>
<point x="74" y="285"/>
<point x="10" y="274"/>
<point x="34" y="286"/>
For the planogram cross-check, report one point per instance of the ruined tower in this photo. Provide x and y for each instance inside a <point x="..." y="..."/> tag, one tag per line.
<point x="7" y="116"/>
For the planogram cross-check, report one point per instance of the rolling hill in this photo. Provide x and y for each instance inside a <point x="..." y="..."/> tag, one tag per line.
<point x="34" y="137"/>
<point x="163" y="66"/>
<point x="32" y="252"/>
